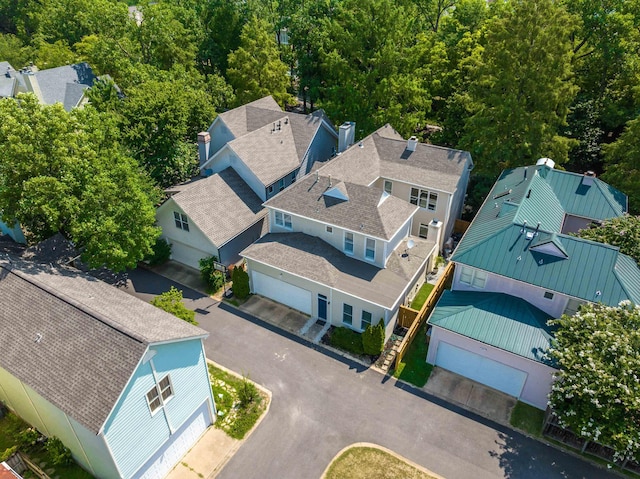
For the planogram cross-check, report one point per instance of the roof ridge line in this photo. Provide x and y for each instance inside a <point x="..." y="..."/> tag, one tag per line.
<point x="70" y="301"/>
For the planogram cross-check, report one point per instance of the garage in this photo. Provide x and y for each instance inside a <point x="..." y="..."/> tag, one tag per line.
<point x="177" y="446"/>
<point x="281" y="291"/>
<point x="185" y="254"/>
<point x="481" y="369"/>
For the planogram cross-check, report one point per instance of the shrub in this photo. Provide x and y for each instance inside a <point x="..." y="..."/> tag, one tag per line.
<point x="161" y="252"/>
<point x="60" y="454"/>
<point x="247" y="392"/>
<point x="213" y="278"/>
<point x="171" y="302"/>
<point x="10" y="451"/>
<point x="373" y="339"/>
<point x="240" y="280"/>
<point x="28" y="438"/>
<point x="347" y="339"/>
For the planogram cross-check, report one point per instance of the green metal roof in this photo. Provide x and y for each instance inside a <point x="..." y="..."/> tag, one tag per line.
<point x="499" y="241"/>
<point x="497" y="319"/>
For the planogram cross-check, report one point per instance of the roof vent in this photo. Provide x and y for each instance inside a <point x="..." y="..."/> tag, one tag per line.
<point x="412" y="143"/>
<point x="588" y="177"/>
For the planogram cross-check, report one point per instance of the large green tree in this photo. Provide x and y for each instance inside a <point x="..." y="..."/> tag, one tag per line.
<point x="522" y="88"/>
<point x="255" y="69"/>
<point x="623" y="232"/>
<point x="597" y="390"/>
<point x="66" y="172"/>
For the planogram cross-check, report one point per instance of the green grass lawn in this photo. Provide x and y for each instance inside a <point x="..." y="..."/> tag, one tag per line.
<point x="527" y="418"/>
<point x="422" y="296"/>
<point x="10" y="428"/>
<point x="414" y="368"/>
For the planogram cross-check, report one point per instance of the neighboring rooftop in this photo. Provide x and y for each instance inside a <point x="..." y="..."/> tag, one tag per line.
<point x="496" y="319"/>
<point x="314" y="259"/>
<point x="352" y="206"/>
<point x="76" y="340"/>
<point x="517" y="233"/>
<point x="235" y="204"/>
<point x="384" y="154"/>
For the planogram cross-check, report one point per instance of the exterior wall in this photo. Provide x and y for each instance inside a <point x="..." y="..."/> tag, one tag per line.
<point x="335" y="239"/>
<point x="220" y="136"/>
<point x="323" y="147"/>
<point x="396" y="240"/>
<point x="15" y="232"/>
<point x="539" y="376"/>
<point x="88" y="449"/>
<point x="194" y="238"/>
<point x="457" y="204"/>
<point x="226" y="158"/>
<point x="530" y="293"/>
<point x="402" y="190"/>
<point x="289" y="179"/>
<point x="132" y="432"/>
<point x="230" y="252"/>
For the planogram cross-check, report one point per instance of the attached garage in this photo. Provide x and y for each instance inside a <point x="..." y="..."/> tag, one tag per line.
<point x="181" y="441"/>
<point x="481" y="369"/>
<point x="281" y="291"/>
<point x="186" y="254"/>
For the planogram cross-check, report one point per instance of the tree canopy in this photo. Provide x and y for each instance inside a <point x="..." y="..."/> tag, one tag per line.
<point x="623" y="231"/>
<point x="66" y="172"/>
<point x="597" y="391"/>
<point x="171" y="302"/>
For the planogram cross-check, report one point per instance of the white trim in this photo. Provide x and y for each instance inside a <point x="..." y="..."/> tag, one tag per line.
<point x="73" y="431"/>
<point x="170" y="341"/>
<point x="35" y="409"/>
<point x="212" y="157"/>
<point x="113" y="459"/>
<point x="168" y="237"/>
<point x="371" y="260"/>
<point x="344" y="243"/>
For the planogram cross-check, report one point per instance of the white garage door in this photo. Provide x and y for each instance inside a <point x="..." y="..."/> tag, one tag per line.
<point x="483" y="370"/>
<point x="185" y="254"/>
<point x="176" y="447"/>
<point x="282" y="292"/>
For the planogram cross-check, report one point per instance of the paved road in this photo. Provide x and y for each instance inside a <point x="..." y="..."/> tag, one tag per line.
<point x="322" y="403"/>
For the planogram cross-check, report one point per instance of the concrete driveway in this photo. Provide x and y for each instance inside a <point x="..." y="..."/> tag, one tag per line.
<point x="323" y="402"/>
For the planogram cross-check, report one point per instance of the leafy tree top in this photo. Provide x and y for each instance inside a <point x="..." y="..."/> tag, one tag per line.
<point x="623" y="232"/>
<point x="597" y="391"/>
<point x="171" y="302"/>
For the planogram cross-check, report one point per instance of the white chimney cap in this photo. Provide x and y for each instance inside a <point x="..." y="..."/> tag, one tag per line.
<point x="546" y="162"/>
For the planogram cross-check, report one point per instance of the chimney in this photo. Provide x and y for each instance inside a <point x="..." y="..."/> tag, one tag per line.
<point x="346" y="135"/>
<point x="546" y="162"/>
<point x="412" y="143"/>
<point x="434" y="233"/>
<point x="32" y="84"/>
<point x="588" y="177"/>
<point x="204" y="142"/>
<point x="329" y="181"/>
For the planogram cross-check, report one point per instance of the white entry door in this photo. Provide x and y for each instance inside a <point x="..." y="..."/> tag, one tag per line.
<point x="282" y="292"/>
<point x="486" y="371"/>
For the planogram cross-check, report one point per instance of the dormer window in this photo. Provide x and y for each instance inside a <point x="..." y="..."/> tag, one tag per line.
<point x="182" y="222"/>
<point x="281" y="184"/>
<point x="284" y="220"/>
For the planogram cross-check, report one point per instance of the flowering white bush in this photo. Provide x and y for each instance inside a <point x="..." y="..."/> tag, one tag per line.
<point x="597" y="389"/>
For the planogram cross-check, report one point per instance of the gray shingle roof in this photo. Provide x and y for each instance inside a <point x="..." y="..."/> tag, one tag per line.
<point x="8" y="80"/>
<point x="221" y="206"/>
<point x="65" y="84"/>
<point x="251" y="116"/>
<point x="74" y="339"/>
<point x="384" y="154"/>
<point x="362" y="212"/>
<point x="311" y="258"/>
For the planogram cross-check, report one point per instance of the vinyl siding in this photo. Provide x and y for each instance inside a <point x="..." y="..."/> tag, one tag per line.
<point x="323" y="146"/>
<point x="132" y="432"/>
<point x="230" y="252"/>
<point x="227" y="158"/>
<point x="220" y="136"/>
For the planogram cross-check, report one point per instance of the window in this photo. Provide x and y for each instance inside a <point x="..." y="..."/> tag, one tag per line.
<point x="424" y="199"/>
<point x="281" y="184"/>
<point x="293" y="177"/>
<point x="348" y="242"/>
<point x="473" y="277"/>
<point x="160" y="394"/>
<point x="365" y="320"/>
<point x="270" y="189"/>
<point x="182" y="222"/>
<point x="424" y="231"/>
<point x="347" y="314"/>
<point x="370" y="249"/>
<point x="548" y="295"/>
<point x="388" y="186"/>
<point x="283" y="219"/>
<point x="329" y="229"/>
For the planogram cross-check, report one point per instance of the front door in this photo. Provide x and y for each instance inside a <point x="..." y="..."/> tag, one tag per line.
<point x="322" y="307"/>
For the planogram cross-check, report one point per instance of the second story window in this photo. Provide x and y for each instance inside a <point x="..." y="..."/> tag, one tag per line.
<point x="281" y="184"/>
<point x="388" y="186"/>
<point x="473" y="277"/>
<point x="348" y="242"/>
<point x="370" y="249"/>
<point x="284" y="220"/>
<point x="424" y="199"/>
<point x="182" y="222"/>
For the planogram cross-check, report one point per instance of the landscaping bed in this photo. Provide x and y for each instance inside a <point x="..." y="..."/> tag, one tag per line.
<point x="239" y="402"/>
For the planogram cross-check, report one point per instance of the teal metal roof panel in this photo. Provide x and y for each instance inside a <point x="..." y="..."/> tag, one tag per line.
<point x="629" y="275"/>
<point x="540" y="205"/>
<point x="497" y="319"/>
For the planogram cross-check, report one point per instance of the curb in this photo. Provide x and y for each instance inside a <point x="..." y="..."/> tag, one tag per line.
<point x="239" y="442"/>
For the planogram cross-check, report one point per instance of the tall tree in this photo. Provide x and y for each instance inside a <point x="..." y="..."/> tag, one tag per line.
<point x="622" y="231"/>
<point x="255" y="69"/>
<point x="597" y="390"/>
<point x="522" y="87"/>
<point x="66" y="172"/>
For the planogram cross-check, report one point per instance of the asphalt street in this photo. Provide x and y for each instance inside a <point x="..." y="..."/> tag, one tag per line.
<point x="322" y="403"/>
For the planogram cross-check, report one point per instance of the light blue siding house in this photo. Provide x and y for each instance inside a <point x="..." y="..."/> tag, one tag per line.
<point x="123" y="384"/>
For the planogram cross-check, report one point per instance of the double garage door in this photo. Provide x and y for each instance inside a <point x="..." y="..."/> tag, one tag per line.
<point x="481" y="369"/>
<point x="185" y="254"/>
<point x="282" y="292"/>
<point x="177" y="446"/>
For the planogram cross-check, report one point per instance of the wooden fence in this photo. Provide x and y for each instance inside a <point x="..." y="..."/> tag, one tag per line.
<point x="20" y="462"/>
<point x="460" y="226"/>
<point x="421" y="316"/>
<point x="406" y="316"/>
